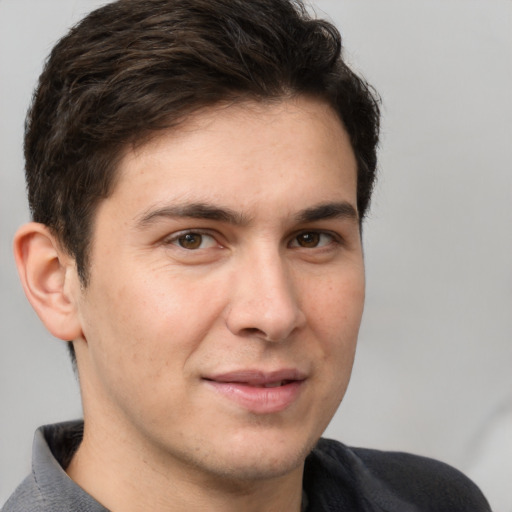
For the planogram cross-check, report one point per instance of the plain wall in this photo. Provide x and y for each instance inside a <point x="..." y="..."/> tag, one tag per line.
<point x="433" y="371"/>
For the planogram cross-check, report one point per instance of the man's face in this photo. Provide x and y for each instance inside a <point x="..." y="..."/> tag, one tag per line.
<point x="226" y="291"/>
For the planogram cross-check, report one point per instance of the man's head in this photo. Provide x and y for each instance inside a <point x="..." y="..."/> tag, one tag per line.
<point x="135" y="67"/>
<point x="199" y="171"/>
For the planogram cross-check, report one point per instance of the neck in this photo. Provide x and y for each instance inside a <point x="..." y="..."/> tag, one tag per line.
<point x="125" y="479"/>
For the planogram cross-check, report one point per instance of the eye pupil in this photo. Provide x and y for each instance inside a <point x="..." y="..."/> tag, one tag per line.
<point x="190" y="240"/>
<point x="308" y="239"/>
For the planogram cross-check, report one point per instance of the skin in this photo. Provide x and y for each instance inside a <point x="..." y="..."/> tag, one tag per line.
<point x="277" y="282"/>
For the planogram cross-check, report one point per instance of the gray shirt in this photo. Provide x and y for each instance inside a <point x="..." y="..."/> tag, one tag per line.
<point x="48" y="487"/>
<point x="336" y="478"/>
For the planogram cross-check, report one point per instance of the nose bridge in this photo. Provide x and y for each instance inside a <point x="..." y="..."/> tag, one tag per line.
<point x="264" y="301"/>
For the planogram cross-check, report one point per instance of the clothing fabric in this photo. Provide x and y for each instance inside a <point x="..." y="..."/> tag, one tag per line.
<point x="336" y="479"/>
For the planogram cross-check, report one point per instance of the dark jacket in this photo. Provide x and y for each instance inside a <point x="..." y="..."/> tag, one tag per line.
<point x="336" y="479"/>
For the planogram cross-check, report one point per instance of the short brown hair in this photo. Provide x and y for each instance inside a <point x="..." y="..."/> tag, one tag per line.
<point x="134" y="67"/>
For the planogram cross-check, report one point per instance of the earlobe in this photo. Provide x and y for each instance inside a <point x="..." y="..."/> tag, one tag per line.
<point x="49" y="279"/>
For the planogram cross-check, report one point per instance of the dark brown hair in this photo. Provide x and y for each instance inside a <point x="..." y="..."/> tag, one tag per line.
<point x="134" y="67"/>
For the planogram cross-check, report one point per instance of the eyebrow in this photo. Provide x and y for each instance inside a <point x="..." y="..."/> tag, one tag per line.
<point x="199" y="210"/>
<point x="193" y="211"/>
<point x="336" y="210"/>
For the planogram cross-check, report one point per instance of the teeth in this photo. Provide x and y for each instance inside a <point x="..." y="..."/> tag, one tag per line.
<point x="273" y="384"/>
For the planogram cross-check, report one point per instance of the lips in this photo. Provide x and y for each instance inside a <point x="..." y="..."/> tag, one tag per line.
<point x="257" y="391"/>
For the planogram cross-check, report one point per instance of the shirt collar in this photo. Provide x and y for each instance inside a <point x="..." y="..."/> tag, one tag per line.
<point x="53" y="448"/>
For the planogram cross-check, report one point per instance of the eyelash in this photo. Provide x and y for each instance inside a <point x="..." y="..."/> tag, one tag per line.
<point x="333" y="239"/>
<point x="176" y="237"/>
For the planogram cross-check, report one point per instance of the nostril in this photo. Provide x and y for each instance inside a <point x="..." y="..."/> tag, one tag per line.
<point x="269" y="320"/>
<point x="254" y="331"/>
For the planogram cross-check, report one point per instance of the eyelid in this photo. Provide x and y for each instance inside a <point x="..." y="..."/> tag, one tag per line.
<point x="174" y="237"/>
<point x="336" y="238"/>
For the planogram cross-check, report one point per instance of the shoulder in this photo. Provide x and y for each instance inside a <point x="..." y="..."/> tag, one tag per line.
<point x="424" y="480"/>
<point x="396" y="481"/>
<point x="48" y="488"/>
<point x="26" y="497"/>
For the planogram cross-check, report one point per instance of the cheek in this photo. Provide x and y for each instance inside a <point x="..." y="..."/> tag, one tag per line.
<point x="336" y="307"/>
<point x="335" y="316"/>
<point x="153" y="319"/>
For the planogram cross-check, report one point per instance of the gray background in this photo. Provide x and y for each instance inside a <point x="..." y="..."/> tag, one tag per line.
<point x="433" y="371"/>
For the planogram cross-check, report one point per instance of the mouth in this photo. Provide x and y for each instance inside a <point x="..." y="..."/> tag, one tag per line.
<point x="259" y="392"/>
<point x="275" y="384"/>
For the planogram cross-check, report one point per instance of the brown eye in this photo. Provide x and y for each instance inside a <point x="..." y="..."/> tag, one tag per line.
<point x="312" y="239"/>
<point x="308" y="240"/>
<point x="190" y="241"/>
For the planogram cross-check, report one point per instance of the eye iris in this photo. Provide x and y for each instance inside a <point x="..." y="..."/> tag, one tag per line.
<point x="190" y="240"/>
<point x="308" y="239"/>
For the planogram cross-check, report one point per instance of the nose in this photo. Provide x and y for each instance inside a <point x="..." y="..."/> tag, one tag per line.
<point x="264" y="301"/>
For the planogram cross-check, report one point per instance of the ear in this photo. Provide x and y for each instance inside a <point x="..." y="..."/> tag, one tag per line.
<point x="50" y="280"/>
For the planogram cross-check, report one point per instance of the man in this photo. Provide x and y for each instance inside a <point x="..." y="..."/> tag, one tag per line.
<point x="198" y="172"/>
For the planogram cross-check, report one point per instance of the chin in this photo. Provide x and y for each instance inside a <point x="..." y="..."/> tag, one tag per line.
<point x="253" y="460"/>
<point x="260" y="469"/>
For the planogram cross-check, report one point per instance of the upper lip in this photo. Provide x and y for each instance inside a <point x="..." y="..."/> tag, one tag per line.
<point x="257" y="377"/>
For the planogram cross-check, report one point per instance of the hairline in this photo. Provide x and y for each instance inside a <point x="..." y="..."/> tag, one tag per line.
<point x="142" y="139"/>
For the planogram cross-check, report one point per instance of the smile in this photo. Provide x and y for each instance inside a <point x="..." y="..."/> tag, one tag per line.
<point x="259" y="392"/>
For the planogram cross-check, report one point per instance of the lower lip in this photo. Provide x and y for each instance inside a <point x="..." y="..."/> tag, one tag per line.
<point x="259" y="400"/>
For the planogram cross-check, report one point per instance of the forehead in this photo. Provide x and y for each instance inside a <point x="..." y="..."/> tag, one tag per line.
<point x="249" y="154"/>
